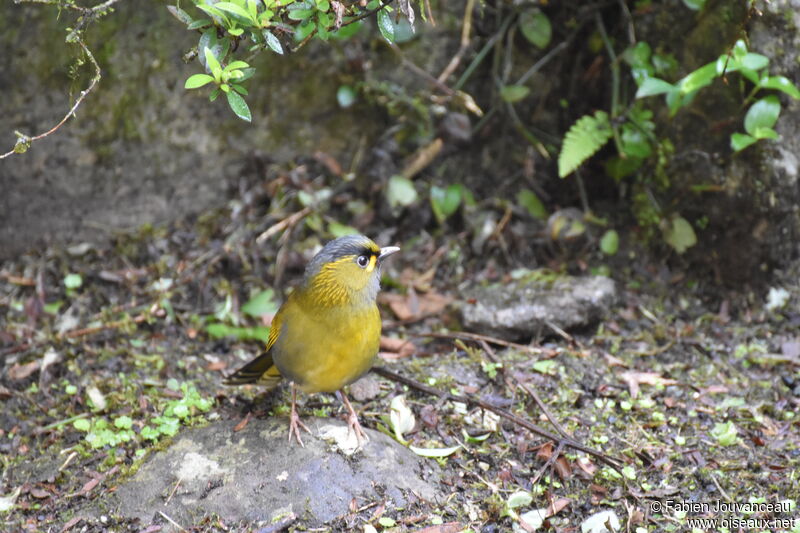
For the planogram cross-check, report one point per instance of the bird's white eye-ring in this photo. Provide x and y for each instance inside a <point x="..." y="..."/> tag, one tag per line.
<point x="362" y="261"/>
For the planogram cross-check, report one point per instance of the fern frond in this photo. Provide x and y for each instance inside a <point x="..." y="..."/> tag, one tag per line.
<point x="584" y="138"/>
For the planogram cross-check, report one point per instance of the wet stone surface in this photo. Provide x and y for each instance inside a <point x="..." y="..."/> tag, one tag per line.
<point x="255" y="475"/>
<point x="524" y="309"/>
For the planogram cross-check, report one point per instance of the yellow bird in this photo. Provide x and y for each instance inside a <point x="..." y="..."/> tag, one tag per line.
<point x="326" y="334"/>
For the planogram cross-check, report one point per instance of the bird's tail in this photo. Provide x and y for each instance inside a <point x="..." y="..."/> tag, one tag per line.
<point x="261" y="370"/>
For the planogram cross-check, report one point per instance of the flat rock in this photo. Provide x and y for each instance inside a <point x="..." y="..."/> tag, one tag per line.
<point x="525" y="308"/>
<point x="255" y="475"/>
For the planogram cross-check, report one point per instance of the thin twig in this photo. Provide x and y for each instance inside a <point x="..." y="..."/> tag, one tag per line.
<point x="25" y="141"/>
<point x="287" y="222"/>
<point x="466" y="29"/>
<point x="465" y="335"/>
<point x="351" y="21"/>
<point x="477" y="402"/>
<point x="280" y="525"/>
<point x="410" y="65"/>
<point x="532" y="393"/>
<point x="171" y="521"/>
<point x="550" y="462"/>
<point x="482" y="54"/>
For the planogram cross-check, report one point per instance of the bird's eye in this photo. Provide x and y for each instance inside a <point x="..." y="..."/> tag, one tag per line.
<point x="362" y="261"/>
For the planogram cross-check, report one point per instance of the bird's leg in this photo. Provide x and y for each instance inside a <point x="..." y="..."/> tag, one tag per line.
<point x="352" y="418"/>
<point x="294" y="420"/>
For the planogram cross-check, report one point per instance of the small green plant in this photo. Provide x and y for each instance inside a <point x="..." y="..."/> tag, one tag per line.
<point x="637" y="141"/>
<point x="253" y="26"/>
<point x="101" y="432"/>
<point x="761" y="115"/>
<point x="226" y="323"/>
<point x="227" y="80"/>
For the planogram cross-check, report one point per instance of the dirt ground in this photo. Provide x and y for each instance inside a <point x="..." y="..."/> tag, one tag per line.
<point x="109" y="349"/>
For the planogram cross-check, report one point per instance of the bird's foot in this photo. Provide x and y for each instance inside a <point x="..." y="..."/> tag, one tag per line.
<point x="294" y="427"/>
<point x="352" y="420"/>
<point x="354" y="426"/>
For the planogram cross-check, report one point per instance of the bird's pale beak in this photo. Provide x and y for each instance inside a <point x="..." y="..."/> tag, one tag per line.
<point x="386" y="252"/>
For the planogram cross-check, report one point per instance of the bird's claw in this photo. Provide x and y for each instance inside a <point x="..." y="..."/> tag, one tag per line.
<point x="294" y="427"/>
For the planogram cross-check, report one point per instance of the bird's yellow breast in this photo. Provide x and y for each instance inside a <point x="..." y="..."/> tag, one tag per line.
<point x="324" y="349"/>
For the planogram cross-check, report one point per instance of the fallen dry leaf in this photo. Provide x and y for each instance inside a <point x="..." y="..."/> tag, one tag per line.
<point x="557" y="506"/>
<point x="585" y="464"/>
<point x="415" y="306"/>
<point x="18" y="371"/>
<point x="243" y="423"/>
<point x="634" y="378"/>
<point x="614" y="361"/>
<point x="402" y="347"/>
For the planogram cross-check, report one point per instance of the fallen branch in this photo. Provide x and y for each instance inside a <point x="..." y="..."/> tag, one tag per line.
<point x="614" y="463"/>
<point x="467" y="336"/>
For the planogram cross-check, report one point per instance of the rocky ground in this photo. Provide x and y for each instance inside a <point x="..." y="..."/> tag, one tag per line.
<point x="114" y="416"/>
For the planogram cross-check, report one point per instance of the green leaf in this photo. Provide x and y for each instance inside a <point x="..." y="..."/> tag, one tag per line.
<point x="180" y="14"/>
<point x="218" y="330"/>
<point x="323" y="5"/>
<point x="73" y="281"/>
<point x="385" y="25"/>
<point x="199" y="23"/>
<point x="301" y="14"/>
<point x="528" y="199"/>
<point x="234" y="9"/>
<point x="401" y="191"/>
<point x="740" y="141"/>
<point x="304" y="30"/>
<point x="263" y="303"/>
<point x="780" y="83"/>
<point x="634" y="142"/>
<point x="239" y="89"/>
<point x="239" y="106"/>
<point x="680" y="234"/>
<point x="762" y="114"/>
<point x="765" y="133"/>
<point x="514" y="93"/>
<point x="123" y="422"/>
<point x="235" y="65"/>
<point x="698" y="79"/>
<point x="345" y="96"/>
<point x="535" y="26"/>
<point x="725" y="434"/>
<point x="434" y="452"/>
<point x="521" y="498"/>
<point x="609" y="243"/>
<point x="546" y="366"/>
<point x="82" y="424"/>
<point x="272" y="42"/>
<point x="694" y="5"/>
<point x="445" y="202"/>
<point x="322" y="27"/>
<point x="387" y="522"/>
<point x="338" y="229"/>
<point x="217" y="15"/>
<point x="653" y="86"/>
<point x="212" y="63"/>
<point x="196" y="81"/>
<point x="584" y="138"/>
<point x="345" y="32"/>
<point x="754" y="61"/>
<point x="638" y="55"/>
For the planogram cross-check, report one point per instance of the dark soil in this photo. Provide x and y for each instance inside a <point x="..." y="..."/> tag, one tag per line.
<point x="695" y="389"/>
